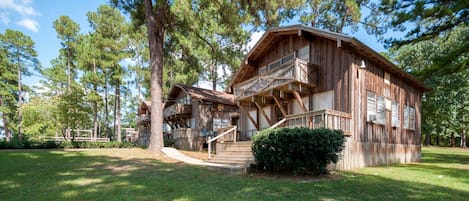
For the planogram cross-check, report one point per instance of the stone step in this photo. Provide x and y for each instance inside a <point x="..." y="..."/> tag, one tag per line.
<point x="235" y="153"/>
<point x="238" y="149"/>
<point x="239" y="153"/>
<point x="232" y="157"/>
<point x="244" y="162"/>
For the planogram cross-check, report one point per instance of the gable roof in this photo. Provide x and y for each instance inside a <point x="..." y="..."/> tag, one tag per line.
<point x="271" y="35"/>
<point x="201" y="94"/>
<point x="144" y="106"/>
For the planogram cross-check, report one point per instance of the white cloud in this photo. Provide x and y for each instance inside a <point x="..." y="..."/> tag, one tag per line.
<point x="4" y="18"/>
<point x="23" y="11"/>
<point x="29" y="24"/>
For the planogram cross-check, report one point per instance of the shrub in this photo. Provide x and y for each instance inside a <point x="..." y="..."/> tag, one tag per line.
<point x="34" y="144"/>
<point x="169" y="142"/>
<point x="300" y="150"/>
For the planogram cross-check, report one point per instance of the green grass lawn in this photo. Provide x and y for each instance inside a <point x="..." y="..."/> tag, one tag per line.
<point x="134" y="174"/>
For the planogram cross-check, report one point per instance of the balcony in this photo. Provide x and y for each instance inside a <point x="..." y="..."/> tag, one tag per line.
<point x="277" y="75"/>
<point x="143" y="118"/>
<point x="177" y="109"/>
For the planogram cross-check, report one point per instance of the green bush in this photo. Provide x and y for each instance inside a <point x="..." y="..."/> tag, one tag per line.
<point x="34" y="144"/>
<point x="300" y="150"/>
<point x="169" y="142"/>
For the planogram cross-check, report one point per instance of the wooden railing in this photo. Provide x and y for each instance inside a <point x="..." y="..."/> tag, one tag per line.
<point x="144" y="118"/>
<point x="293" y="71"/>
<point x="78" y="139"/>
<point x="320" y="119"/>
<point x="210" y="139"/>
<point x="177" y="108"/>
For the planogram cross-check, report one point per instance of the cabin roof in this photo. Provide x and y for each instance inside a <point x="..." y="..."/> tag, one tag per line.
<point x="201" y="94"/>
<point x="272" y="35"/>
<point x="144" y="106"/>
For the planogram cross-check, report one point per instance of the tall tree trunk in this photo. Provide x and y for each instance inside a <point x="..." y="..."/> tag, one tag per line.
<point x="452" y="140"/>
<point x="463" y="139"/>
<point x="118" y="113"/>
<point x="114" y="115"/>
<point x="155" y="29"/>
<point x="214" y="75"/>
<point x="427" y="138"/>
<point x="437" y="140"/>
<point x="20" y="100"/>
<point x="106" y="110"/>
<point x="69" y="83"/>
<point x="95" y="105"/>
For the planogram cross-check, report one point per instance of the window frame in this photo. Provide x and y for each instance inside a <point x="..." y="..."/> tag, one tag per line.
<point x="375" y="105"/>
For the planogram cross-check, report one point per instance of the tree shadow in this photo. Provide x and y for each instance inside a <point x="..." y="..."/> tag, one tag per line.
<point x="57" y="175"/>
<point x="445" y="158"/>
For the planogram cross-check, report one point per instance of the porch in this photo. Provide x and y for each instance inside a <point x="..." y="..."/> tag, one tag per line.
<point x="230" y="151"/>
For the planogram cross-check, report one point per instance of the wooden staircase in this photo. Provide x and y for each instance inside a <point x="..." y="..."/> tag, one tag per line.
<point x="239" y="153"/>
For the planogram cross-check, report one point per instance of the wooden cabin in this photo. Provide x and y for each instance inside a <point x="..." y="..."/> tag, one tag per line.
<point x="143" y="124"/>
<point x="298" y="76"/>
<point x="195" y="113"/>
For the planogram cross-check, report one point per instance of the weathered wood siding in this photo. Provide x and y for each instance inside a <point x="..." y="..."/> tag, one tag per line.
<point x="372" y="143"/>
<point x="338" y="71"/>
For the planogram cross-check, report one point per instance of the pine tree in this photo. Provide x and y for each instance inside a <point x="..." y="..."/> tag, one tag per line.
<point x="110" y="28"/>
<point x="20" y="54"/>
<point x="90" y="63"/>
<point x="67" y="30"/>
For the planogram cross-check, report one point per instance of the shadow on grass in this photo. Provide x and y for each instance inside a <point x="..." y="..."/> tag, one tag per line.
<point x="57" y="175"/>
<point x="445" y="158"/>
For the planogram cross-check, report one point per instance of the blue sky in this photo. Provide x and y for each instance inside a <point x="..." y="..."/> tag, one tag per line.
<point x="35" y="17"/>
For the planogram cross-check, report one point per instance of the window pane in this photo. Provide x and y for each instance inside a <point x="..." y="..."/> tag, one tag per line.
<point x="395" y="114"/>
<point x="411" y="118"/>
<point x="406" y="116"/>
<point x="371" y="107"/>
<point x="380" y="110"/>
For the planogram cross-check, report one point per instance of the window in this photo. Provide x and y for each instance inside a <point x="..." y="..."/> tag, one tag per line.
<point x="323" y="101"/>
<point x="371" y="107"/>
<point x="409" y="118"/>
<point x="303" y="53"/>
<point x="262" y="70"/>
<point x="275" y="64"/>
<point x="376" y="108"/>
<point x="288" y="58"/>
<point x="186" y="100"/>
<point x="220" y="123"/>
<point x="395" y="114"/>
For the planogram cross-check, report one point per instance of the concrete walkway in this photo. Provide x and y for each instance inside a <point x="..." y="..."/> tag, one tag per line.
<point x="175" y="154"/>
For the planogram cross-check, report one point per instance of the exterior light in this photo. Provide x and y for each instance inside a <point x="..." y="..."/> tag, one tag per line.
<point x="362" y="65"/>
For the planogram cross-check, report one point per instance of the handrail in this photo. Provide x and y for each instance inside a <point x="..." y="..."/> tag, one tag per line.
<point x="210" y="139"/>
<point x="339" y="120"/>
<point x="278" y="123"/>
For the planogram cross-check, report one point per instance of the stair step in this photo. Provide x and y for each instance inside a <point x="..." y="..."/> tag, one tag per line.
<point x="228" y="153"/>
<point x="233" y="157"/>
<point x="237" y="162"/>
<point x="239" y="153"/>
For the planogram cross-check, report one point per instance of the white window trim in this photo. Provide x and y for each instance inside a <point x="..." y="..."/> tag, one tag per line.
<point x="379" y="119"/>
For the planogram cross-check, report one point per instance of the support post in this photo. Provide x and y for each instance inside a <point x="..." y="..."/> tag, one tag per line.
<point x="280" y="106"/>
<point x="263" y="113"/>
<point x="209" y="147"/>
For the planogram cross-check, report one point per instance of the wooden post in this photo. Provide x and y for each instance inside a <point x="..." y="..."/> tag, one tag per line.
<point x="250" y="118"/>
<point x="280" y="107"/>
<point x="303" y="107"/>
<point x="263" y="113"/>
<point x="209" y="147"/>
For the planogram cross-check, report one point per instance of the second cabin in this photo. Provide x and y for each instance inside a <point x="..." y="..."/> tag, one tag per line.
<point x="300" y="76"/>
